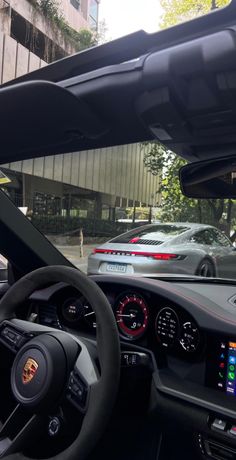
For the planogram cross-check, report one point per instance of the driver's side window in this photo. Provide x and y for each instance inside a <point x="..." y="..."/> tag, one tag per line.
<point x="200" y="238"/>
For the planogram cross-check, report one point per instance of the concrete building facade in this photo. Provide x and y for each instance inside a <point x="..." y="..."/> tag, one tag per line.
<point x="83" y="183"/>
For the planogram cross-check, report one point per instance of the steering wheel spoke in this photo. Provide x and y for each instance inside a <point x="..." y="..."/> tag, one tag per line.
<point x="18" y="428"/>
<point x="14" y="333"/>
<point x="84" y="375"/>
<point x="78" y="392"/>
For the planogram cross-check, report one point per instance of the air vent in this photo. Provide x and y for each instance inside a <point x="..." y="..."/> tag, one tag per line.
<point x="48" y="315"/>
<point x="151" y="242"/>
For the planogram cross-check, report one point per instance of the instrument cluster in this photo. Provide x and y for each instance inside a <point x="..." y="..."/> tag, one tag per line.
<point x="139" y="316"/>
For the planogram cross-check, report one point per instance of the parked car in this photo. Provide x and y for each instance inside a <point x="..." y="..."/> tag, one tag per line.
<point x="185" y="248"/>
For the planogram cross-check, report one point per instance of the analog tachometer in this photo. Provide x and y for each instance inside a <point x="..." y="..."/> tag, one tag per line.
<point x="132" y="315"/>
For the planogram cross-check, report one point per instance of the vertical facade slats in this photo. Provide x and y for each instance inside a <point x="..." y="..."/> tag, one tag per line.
<point x="82" y="169"/>
<point x="96" y="170"/>
<point x="117" y="171"/>
<point x="22" y="60"/>
<point x="58" y="168"/>
<point x="66" y="173"/>
<point x="74" y="169"/>
<point x="49" y="167"/>
<point x="9" y="59"/>
<point x="2" y="39"/>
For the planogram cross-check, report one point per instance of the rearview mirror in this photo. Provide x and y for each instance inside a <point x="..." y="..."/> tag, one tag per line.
<point x="209" y="179"/>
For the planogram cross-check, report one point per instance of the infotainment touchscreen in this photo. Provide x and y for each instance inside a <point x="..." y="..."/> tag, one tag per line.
<point x="221" y="366"/>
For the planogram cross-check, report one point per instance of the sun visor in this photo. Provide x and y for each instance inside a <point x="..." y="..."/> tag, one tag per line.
<point x="38" y="118"/>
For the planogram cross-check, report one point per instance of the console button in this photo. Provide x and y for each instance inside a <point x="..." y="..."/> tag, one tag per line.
<point x="54" y="426"/>
<point x="219" y="451"/>
<point x="77" y="391"/>
<point x="132" y="359"/>
<point x="233" y="430"/>
<point x="218" y="424"/>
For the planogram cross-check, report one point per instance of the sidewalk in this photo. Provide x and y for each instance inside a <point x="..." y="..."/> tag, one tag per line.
<point x="73" y="254"/>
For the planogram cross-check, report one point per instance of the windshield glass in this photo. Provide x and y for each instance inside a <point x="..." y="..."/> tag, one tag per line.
<point x="86" y="203"/>
<point x="110" y="204"/>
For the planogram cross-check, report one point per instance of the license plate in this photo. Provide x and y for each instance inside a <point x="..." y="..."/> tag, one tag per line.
<point x="116" y="268"/>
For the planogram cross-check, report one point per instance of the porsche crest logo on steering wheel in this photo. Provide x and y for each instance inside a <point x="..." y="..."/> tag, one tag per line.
<point x="29" y="371"/>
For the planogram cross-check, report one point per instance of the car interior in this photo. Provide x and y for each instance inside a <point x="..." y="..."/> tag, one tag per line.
<point x="104" y="367"/>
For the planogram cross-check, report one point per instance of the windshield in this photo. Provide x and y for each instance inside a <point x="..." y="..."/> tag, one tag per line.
<point x="99" y="206"/>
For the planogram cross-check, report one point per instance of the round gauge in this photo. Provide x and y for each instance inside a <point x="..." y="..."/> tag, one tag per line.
<point x="89" y="315"/>
<point x="75" y="309"/>
<point x="72" y="310"/>
<point x="190" y="337"/>
<point x="132" y="316"/>
<point x="167" y="327"/>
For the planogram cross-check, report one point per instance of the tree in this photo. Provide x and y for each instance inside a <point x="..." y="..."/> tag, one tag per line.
<point x="175" y="206"/>
<point x="176" y="11"/>
<point x="51" y="9"/>
<point x="102" y="32"/>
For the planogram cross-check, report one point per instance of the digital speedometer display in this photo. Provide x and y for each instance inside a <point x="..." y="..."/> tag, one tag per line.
<point x="132" y="315"/>
<point x="167" y="327"/>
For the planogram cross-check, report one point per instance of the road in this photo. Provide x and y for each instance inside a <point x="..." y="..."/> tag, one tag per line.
<point x="73" y="254"/>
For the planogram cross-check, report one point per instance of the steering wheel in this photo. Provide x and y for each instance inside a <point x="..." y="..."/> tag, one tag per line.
<point x="52" y="365"/>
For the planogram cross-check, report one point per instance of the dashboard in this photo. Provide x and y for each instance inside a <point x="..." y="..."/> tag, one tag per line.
<point x="185" y="331"/>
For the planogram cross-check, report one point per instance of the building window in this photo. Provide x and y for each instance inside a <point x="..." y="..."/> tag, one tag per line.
<point x="46" y="204"/>
<point x="93" y="14"/>
<point x="33" y="39"/>
<point x="75" y="4"/>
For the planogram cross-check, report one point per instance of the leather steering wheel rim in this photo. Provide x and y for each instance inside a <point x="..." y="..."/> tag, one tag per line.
<point x="102" y="401"/>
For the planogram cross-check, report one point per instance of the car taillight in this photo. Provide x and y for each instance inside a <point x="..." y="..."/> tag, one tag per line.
<point x="163" y="256"/>
<point x="153" y="255"/>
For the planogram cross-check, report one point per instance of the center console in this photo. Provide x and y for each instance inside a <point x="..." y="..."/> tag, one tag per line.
<point x="221" y="366"/>
<point x="220" y="440"/>
<point x="211" y="389"/>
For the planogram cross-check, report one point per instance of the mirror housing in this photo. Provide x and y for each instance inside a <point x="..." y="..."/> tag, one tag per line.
<point x="210" y="179"/>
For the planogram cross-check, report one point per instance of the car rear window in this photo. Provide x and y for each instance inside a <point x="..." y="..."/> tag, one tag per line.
<point x="155" y="233"/>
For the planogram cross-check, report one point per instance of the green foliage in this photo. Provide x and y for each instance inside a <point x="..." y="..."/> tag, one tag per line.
<point x="81" y="39"/>
<point x="174" y="205"/>
<point x="177" y="11"/>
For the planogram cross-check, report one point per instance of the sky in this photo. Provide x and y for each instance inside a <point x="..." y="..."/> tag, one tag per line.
<point x="125" y="16"/>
